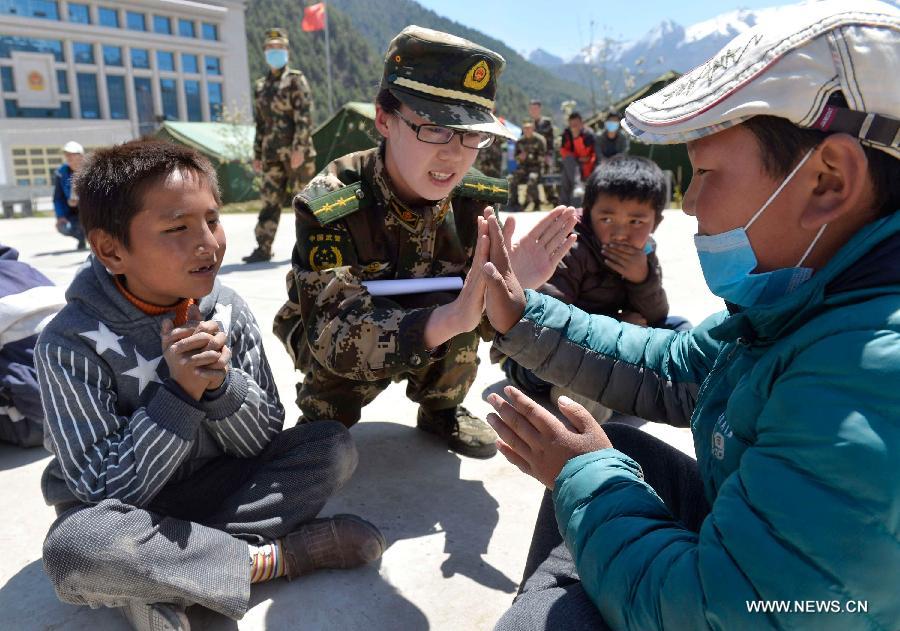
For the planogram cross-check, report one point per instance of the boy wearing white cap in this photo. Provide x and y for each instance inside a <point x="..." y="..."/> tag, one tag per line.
<point x="790" y="517"/>
<point x="65" y="202"/>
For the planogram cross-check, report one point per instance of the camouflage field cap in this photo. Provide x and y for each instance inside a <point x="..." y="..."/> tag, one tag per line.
<point x="446" y="79"/>
<point x="276" y="36"/>
<point x="527" y="123"/>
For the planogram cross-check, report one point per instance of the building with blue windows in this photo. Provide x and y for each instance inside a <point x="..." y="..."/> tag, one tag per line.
<point x="106" y="71"/>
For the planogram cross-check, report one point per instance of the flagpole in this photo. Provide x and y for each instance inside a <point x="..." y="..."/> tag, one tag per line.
<point x="328" y="61"/>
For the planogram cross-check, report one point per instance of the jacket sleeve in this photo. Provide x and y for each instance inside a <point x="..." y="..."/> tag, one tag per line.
<point x="104" y="454"/>
<point x="651" y="373"/>
<point x="60" y="202"/>
<point x="565" y="146"/>
<point x="347" y="330"/>
<point x="649" y="298"/>
<point x="301" y="104"/>
<point x="807" y="515"/>
<point x="260" y="126"/>
<point x="245" y="413"/>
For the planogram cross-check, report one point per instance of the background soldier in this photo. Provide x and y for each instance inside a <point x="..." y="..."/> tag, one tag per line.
<point x="408" y="209"/>
<point x="283" y="148"/>
<point x="531" y="151"/>
<point x="543" y="127"/>
<point x="490" y="159"/>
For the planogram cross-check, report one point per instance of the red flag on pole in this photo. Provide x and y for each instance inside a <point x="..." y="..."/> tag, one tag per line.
<point x="314" y="17"/>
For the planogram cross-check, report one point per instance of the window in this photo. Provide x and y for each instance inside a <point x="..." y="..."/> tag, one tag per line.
<point x="165" y="61"/>
<point x="108" y="17"/>
<point x="162" y="25"/>
<point x="143" y="102"/>
<point x="168" y="90"/>
<point x="9" y="43"/>
<point x="213" y="66"/>
<point x="83" y="52"/>
<point x="62" y="81"/>
<point x="112" y="55"/>
<point x="6" y="79"/>
<point x="210" y="31"/>
<point x="215" y="100"/>
<point x="135" y="21"/>
<point x="47" y="9"/>
<point x="192" y="98"/>
<point x="88" y="96"/>
<point x="115" y="88"/>
<point x="14" y="111"/>
<point x="140" y="58"/>
<point x="79" y="13"/>
<point x="35" y="165"/>
<point x="186" y="28"/>
<point x="189" y="63"/>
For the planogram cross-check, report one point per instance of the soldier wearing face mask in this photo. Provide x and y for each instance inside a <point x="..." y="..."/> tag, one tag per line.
<point x="612" y="141"/>
<point x="282" y="149"/>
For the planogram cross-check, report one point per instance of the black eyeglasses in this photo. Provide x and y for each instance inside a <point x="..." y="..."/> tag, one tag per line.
<point x="440" y="135"/>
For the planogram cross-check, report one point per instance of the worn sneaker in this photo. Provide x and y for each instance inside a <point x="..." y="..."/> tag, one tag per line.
<point x="337" y="543"/>
<point x="466" y="434"/>
<point x="257" y="256"/>
<point x="156" y="617"/>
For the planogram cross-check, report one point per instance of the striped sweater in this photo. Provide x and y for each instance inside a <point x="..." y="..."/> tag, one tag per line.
<point x="118" y="426"/>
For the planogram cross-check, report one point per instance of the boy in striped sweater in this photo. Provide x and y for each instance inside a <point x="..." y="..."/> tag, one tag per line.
<point x="173" y="481"/>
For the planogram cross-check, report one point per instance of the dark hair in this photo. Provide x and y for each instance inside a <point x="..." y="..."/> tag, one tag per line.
<point x="627" y="177"/>
<point x="111" y="184"/>
<point x="614" y="113"/>
<point x="575" y="115"/>
<point x="782" y="144"/>
<point x="387" y="101"/>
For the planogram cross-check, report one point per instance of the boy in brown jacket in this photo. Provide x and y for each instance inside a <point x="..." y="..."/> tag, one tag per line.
<point x="612" y="269"/>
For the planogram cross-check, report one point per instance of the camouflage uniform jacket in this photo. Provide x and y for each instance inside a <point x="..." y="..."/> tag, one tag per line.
<point x="534" y="148"/>
<point x="543" y="126"/>
<point x="352" y="228"/>
<point x="282" y="110"/>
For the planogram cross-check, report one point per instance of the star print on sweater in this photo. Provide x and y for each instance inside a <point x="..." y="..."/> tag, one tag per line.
<point x="145" y="371"/>
<point x="104" y="340"/>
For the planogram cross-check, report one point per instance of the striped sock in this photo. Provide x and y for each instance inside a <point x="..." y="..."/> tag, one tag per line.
<point x="266" y="561"/>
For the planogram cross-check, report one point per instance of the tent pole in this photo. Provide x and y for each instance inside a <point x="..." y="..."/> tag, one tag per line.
<point x="328" y="62"/>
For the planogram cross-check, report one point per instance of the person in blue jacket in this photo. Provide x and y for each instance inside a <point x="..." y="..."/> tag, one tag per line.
<point x="790" y="516"/>
<point x="28" y="300"/>
<point x="65" y="200"/>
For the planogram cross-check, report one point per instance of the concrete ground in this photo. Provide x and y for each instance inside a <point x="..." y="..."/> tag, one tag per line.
<point x="458" y="528"/>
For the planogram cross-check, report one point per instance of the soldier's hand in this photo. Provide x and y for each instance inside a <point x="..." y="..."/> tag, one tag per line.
<point x="296" y="159"/>
<point x="257" y="166"/>
<point x="504" y="298"/>
<point x="535" y="256"/>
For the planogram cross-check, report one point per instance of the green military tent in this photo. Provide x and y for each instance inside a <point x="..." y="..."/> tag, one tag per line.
<point x="352" y="128"/>
<point x="229" y="148"/>
<point x="672" y="158"/>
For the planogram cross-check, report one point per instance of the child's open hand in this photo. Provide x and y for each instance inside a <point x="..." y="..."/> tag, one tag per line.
<point x="627" y="260"/>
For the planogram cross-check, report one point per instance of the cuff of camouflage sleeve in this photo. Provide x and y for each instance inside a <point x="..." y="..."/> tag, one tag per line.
<point x="411" y="339"/>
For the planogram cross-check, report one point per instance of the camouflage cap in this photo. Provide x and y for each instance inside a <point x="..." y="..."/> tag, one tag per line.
<point x="526" y="123"/>
<point x="446" y="79"/>
<point x="276" y="36"/>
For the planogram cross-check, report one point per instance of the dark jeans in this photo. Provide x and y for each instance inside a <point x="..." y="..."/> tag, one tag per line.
<point x="551" y="596"/>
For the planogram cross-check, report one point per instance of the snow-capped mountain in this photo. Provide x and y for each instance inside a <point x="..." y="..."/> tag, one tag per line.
<point x="667" y="46"/>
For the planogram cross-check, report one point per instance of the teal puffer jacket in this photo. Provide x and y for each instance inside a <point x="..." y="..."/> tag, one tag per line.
<point x="795" y="413"/>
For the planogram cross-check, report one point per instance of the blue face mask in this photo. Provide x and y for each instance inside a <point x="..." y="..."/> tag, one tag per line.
<point x="277" y="58"/>
<point x="728" y="261"/>
<point x="611" y="126"/>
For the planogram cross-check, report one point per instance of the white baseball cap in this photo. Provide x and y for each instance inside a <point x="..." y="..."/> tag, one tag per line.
<point x="73" y="147"/>
<point x="790" y="67"/>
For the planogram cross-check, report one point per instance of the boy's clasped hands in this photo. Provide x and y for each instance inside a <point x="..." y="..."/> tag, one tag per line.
<point x="531" y="437"/>
<point x="195" y="353"/>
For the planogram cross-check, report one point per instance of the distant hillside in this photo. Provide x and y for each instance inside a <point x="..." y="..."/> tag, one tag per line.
<point x="380" y="20"/>
<point x="360" y="31"/>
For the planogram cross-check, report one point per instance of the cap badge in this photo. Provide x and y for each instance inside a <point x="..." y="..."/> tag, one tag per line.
<point x="478" y="76"/>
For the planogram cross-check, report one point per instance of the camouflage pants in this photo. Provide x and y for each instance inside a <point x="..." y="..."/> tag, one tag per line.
<point x="279" y="183"/>
<point x="440" y="385"/>
<point x="532" y="193"/>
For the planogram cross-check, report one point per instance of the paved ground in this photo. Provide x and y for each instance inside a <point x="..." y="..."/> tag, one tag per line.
<point x="458" y="529"/>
